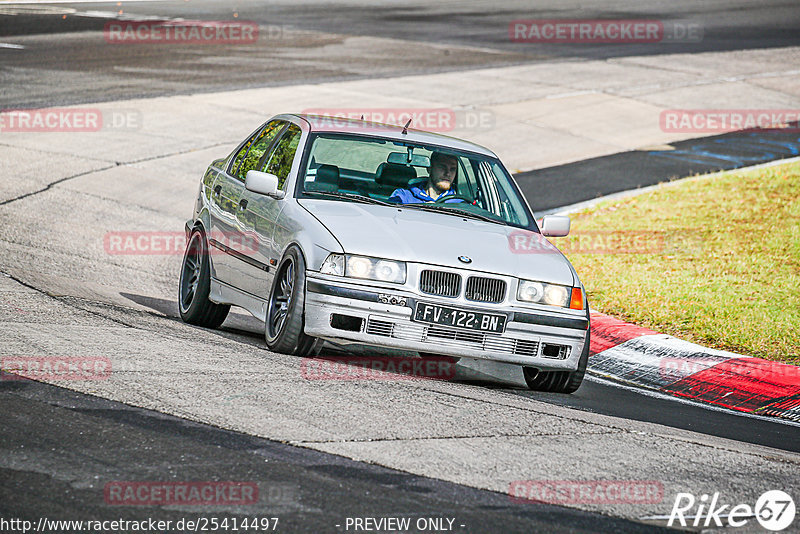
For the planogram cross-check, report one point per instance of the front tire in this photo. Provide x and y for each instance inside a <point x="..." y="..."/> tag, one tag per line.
<point x="559" y="381"/>
<point x="285" y="321"/>
<point x="195" y="285"/>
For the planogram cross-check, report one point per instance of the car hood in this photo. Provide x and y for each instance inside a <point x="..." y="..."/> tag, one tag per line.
<point x="412" y="235"/>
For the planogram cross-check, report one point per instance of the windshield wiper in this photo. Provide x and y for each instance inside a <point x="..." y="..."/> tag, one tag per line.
<point x="453" y="211"/>
<point x="351" y="196"/>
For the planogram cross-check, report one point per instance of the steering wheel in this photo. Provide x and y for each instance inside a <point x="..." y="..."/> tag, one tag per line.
<point x="445" y="198"/>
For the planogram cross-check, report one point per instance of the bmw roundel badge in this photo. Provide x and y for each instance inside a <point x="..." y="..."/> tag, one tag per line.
<point x="465" y="259"/>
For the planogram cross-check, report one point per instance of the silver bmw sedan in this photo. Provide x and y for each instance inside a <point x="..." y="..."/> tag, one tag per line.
<point x="364" y="233"/>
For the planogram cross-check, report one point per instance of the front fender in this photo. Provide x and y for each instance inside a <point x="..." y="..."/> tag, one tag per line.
<point x="297" y="226"/>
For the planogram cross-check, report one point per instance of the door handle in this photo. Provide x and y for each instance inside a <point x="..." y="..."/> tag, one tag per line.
<point x="217" y="189"/>
<point x="243" y="204"/>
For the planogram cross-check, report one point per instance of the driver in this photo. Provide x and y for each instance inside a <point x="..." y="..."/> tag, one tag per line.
<point x="443" y="172"/>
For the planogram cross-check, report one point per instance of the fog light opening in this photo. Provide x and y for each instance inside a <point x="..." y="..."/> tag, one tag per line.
<point x="346" y="322"/>
<point x="551" y="350"/>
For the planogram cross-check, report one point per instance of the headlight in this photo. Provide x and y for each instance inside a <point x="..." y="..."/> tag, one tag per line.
<point x="375" y="269"/>
<point x="365" y="267"/>
<point x="539" y="292"/>
<point x="391" y="271"/>
<point x="530" y="291"/>
<point x="358" y="267"/>
<point x="555" y="295"/>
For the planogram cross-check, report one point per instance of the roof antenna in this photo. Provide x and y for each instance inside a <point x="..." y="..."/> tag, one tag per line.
<point x="405" y="128"/>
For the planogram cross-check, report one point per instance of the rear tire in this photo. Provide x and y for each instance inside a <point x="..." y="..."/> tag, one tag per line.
<point x="195" y="285"/>
<point x="559" y="381"/>
<point x="283" y="329"/>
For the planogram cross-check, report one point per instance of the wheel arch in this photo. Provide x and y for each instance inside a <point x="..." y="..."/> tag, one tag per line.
<point x="297" y="226"/>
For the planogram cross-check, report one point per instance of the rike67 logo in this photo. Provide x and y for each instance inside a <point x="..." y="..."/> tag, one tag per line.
<point x="774" y="510"/>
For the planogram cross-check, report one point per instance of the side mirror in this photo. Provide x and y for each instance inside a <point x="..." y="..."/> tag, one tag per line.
<point x="263" y="183"/>
<point x="555" y="225"/>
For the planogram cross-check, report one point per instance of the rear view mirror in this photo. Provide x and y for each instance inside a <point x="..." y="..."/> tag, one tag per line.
<point x="555" y="226"/>
<point x="263" y="183"/>
<point x="401" y="158"/>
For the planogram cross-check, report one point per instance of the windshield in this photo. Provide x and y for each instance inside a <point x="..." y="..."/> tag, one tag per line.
<point x="351" y="168"/>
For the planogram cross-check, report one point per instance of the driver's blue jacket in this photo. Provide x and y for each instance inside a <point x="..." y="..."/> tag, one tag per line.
<point x="416" y="194"/>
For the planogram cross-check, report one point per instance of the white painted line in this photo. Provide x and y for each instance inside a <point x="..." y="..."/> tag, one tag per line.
<point x="667" y="517"/>
<point x="14" y="46"/>
<point x="29" y="2"/>
<point x="573" y="93"/>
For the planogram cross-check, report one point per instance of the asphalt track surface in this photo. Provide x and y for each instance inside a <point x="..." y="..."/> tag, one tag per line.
<point x="66" y="61"/>
<point x="584" y="180"/>
<point x="106" y="440"/>
<point x="308" y="491"/>
<point x="595" y="395"/>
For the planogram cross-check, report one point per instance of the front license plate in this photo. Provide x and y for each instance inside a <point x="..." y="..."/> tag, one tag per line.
<point x="447" y="316"/>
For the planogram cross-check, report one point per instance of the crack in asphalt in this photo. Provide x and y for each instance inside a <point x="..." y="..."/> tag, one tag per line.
<point x="461" y="436"/>
<point x="108" y="167"/>
<point x="55" y="152"/>
<point x="52" y="184"/>
<point x="128" y="204"/>
<point x="64" y="300"/>
<point x="75" y="254"/>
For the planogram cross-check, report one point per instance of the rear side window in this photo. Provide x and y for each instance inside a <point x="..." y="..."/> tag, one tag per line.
<point x="251" y="153"/>
<point x="282" y="156"/>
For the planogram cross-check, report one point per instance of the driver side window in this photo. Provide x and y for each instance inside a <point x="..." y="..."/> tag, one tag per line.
<point x="251" y="153"/>
<point x="282" y="156"/>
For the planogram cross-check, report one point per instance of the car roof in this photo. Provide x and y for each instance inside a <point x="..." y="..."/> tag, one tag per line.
<point x="325" y="123"/>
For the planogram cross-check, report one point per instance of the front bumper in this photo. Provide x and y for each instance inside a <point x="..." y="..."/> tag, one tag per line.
<point x="386" y="320"/>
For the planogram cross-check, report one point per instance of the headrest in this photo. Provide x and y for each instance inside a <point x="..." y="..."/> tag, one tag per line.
<point x="327" y="174"/>
<point x="394" y="175"/>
